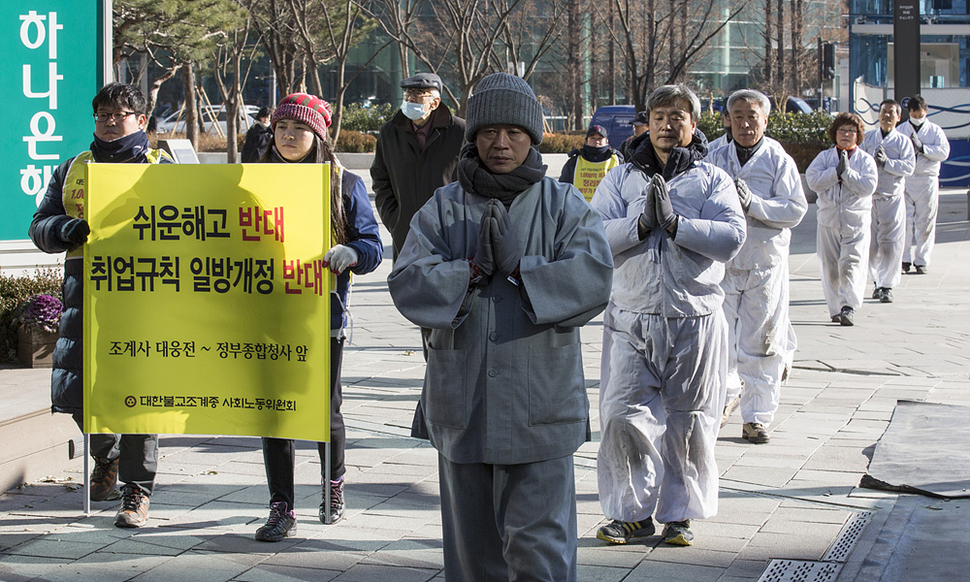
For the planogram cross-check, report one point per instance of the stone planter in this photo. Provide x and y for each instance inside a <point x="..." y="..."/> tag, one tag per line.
<point x="35" y="347"/>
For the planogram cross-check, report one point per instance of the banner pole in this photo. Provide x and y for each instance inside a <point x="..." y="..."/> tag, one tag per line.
<point x="87" y="474"/>
<point x="326" y="485"/>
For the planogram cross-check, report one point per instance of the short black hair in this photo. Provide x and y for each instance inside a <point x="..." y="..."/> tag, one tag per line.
<point x="122" y="96"/>
<point x="916" y="102"/>
<point x="892" y="102"/>
<point x="263" y="112"/>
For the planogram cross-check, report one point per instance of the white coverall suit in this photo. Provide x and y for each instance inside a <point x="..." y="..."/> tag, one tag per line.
<point x="844" y="215"/>
<point x="923" y="191"/>
<point x="664" y="345"/>
<point x="756" y="288"/>
<point x="888" y="207"/>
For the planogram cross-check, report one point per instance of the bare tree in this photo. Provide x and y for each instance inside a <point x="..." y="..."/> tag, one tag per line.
<point x="396" y="17"/>
<point x="274" y="22"/>
<point x="231" y="76"/>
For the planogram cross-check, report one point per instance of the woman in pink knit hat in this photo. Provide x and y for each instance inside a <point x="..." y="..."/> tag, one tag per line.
<point x="300" y="136"/>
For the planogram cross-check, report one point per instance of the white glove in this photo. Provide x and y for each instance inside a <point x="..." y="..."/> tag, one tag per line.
<point x="340" y="258"/>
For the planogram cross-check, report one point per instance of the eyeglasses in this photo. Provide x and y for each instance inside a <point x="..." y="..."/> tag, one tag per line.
<point x="419" y="95"/>
<point x="848" y="130"/>
<point x="114" y="117"/>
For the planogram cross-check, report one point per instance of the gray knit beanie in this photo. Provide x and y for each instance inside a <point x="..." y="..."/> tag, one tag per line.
<point x="501" y="98"/>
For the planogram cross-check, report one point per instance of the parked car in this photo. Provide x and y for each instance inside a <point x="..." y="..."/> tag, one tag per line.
<point x="175" y="122"/>
<point x="617" y="120"/>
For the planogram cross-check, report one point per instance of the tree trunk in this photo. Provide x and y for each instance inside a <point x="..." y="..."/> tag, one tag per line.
<point x="780" y="54"/>
<point x="573" y="32"/>
<point x="769" y="53"/>
<point x="191" y="109"/>
<point x="796" y="47"/>
<point x="156" y="85"/>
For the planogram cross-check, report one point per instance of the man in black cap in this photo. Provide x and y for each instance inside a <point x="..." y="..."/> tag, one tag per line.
<point x="417" y="153"/>
<point x="586" y="166"/>
<point x="640" y="127"/>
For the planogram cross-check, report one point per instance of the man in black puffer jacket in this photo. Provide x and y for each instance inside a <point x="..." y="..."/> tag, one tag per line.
<point x="59" y="225"/>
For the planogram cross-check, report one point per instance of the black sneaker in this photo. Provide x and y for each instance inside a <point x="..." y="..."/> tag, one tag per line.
<point x="906" y="267"/>
<point x="837" y="318"/>
<point x="920" y="269"/>
<point x="677" y="533"/>
<point x="847" y="316"/>
<point x="877" y="293"/>
<point x="887" y="295"/>
<point x="104" y="480"/>
<point x="281" y="524"/>
<point x="620" y="532"/>
<point x="336" y="502"/>
<point x="134" y="508"/>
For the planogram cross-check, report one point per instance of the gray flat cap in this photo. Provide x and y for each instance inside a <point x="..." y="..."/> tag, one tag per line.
<point x="423" y="81"/>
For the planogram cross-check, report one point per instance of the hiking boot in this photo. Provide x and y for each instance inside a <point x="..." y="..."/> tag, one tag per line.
<point x="280" y="524"/>
<point x="755" y="432"/>
<point x="677" y="533"/>
<point x="336" y="502"/>
<point x="134" y="508"/>
<point x="104" y="480"/>
<point x="620" y="532"/>
<point x="847" y="316"/>
<point x="920" y="269"/>
<point x="906" y="267"/>
<point x="887" y="295"/>
<point x="728" y="409"/>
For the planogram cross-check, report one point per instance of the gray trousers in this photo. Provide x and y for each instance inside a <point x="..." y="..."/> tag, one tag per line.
<point x="509" y="522"/>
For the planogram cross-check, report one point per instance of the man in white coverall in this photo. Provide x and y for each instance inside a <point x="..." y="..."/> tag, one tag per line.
<point x="845" y="178"/>
<point x="672" y="221"/>
<point x="761" y="338"/>
<point x="895" y="161"/>
<point x="923" y="187"/>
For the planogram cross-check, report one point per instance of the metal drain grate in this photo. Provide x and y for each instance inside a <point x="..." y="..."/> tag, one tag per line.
<point x="850" y="534"/>
<point x="800" y="571"/>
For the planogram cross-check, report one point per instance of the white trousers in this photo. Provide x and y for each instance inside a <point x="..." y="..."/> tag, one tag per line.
<point x="760" y="338"/>
<point x="661" y="397"/>
<point x="886" y="243"/>
<point x="922" y="204"/>
<point x="843" y="253"/>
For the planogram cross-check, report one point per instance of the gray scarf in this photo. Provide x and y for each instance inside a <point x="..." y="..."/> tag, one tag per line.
<point x="475" y="177"/>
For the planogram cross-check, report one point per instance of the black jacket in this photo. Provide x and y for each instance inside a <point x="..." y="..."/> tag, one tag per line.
<point x="405" y="177"/>
<point x="258" y="139"/>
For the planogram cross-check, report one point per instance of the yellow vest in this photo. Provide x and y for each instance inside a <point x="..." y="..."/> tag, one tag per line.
<point x="589" y="174"/>
<point x="72" y="193"/>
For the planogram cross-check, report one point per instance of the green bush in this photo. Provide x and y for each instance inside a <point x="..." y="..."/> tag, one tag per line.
<point x="356" y="142"/>
<point x="13" y="292"/>
<point x="357" y="118"/>
<point x="561" y="143"/>
<point x="710" y="124"/>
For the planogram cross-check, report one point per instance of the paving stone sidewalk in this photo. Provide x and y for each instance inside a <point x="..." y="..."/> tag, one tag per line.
<point x="796" y="499"/>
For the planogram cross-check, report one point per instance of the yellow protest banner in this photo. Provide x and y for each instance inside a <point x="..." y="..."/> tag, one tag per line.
<point x="206" y="300"/>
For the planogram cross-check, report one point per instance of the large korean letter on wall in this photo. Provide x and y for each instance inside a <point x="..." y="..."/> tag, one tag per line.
<point x="207" y="302"/>
<point x="51" y="72"/>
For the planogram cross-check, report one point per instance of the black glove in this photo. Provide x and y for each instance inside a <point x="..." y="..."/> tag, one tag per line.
<point x="744" y="193"/>
<point x="665" y="210"/>
<point x="483" y="258"/>
<point x="75" y="231"/>
<point x="917" y="142"/>
<point x="505" y="243"/>
<point x="843" y="163"/>
<point x="648" y="218"/>
<point x="880" y="156"/>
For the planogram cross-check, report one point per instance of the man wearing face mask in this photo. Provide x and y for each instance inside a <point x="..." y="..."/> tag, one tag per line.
<point x="417" y="153"/>
<point x="923" y="187"/>
<point x="586" y="166"/>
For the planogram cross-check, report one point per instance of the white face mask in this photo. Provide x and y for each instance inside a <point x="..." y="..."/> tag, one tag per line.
<point x="412" y="111"/>
<point x="917" y="121"/>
